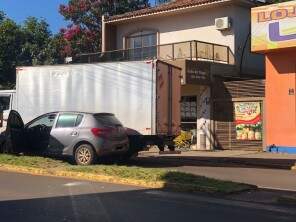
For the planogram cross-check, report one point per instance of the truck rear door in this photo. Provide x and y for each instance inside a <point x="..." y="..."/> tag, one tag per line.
<point x="168" y="96"/>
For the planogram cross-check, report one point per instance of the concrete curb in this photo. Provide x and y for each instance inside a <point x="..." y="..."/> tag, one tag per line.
<point x="80" y="176"/>
<point x="218" y="161"/>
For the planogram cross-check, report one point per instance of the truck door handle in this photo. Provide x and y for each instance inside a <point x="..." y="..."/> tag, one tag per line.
<point x="74" y="133"/>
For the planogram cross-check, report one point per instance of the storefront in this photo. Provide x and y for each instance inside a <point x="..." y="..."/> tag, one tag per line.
<point x="221" y="114"/>
<point x="238" y="116"/>
<point x="274" y="34"/>
<point x="195" y="101"/>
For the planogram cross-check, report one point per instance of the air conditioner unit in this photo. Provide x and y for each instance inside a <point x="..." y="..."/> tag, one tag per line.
<point x="222" y="23"/>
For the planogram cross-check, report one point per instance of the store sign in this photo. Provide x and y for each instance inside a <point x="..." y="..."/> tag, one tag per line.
<point x="197" y="72"/>
<point x="248" y="120"/>
<point x="274" y="26"/>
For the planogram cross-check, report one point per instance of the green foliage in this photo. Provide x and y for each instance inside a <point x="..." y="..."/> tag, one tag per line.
<point x="33" y="44"/>
<point x="36" y="37"/>
<point x="11" y="39"/>
<point x="175" y="180"/>
<point x="183" y="140"/>
<point x="29" y="44"/>
<point x="84" y="33"/>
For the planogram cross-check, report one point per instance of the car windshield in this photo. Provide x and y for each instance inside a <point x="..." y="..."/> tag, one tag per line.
<point x="107" y="120"/>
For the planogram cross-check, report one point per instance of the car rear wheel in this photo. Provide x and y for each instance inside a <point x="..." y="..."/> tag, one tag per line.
<point x="84" y="155"/>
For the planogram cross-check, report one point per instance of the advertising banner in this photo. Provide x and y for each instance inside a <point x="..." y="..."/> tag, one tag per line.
<point x="248" y="120"/>
<point x="274" y="26"/>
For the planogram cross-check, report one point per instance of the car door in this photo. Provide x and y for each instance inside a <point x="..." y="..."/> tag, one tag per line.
<point x="38" y="132"/>
<point x="65" y="132"/>
<point x="15" y="140"/>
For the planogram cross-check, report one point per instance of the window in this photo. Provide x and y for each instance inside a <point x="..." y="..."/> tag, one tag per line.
<point x="141" y="45"/>
<point x="141" y="39"/>
<point x="78" y="120"/>
<point x="47" y="120"/>
<point x="4" y="103"/>
<point x="188" y="109"/>
<point x="68" y="120"/>
<point x="107" y="120"/>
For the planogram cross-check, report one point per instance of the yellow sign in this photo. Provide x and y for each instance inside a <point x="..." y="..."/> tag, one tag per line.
<point x="274" y="26"/>
<point x="248" y="120"/>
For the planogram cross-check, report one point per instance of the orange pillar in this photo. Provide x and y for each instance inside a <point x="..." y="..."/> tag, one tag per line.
<point x="281" y="100"/>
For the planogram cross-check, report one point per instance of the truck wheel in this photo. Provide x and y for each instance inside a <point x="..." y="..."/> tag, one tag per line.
<point x="161" y="147"/>
<point x="135" y="145"/>
<point x="84" y="155"/>
<point x="171" y="147"/>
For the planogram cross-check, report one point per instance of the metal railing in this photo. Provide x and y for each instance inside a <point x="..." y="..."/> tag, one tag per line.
<point x="193" y="50"/>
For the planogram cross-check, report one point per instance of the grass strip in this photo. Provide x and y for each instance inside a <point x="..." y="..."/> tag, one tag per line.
<point x="122" y="174"/>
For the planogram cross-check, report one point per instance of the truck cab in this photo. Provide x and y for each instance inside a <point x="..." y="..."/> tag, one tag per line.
<point x="7" y="98"/>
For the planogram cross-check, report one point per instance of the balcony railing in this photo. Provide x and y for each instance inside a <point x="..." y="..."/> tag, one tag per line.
<point x="193" y="50"/>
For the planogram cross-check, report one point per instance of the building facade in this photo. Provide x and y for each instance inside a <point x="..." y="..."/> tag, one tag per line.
<point x="206" y="38"/>
<point x="274" y="34"/>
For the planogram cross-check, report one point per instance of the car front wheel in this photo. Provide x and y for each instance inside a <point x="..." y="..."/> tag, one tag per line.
<point x="84" y="155"/>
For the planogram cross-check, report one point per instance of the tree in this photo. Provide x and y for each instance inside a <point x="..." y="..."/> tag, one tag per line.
<point x="30" y="44"/>
<point x="36" y="37"/>
<point x="2" y="16"/>
<point x="55" y="50"/>
<point x="84" y="33"/>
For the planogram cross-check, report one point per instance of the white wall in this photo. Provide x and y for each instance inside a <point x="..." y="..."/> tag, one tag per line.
<point x="193" y="25"/>
<point x="199" y="24"/>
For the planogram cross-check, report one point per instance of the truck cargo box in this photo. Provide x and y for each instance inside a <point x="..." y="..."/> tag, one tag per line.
<point x="144" y="95"/>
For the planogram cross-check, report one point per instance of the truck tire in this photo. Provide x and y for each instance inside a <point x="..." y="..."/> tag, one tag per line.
<point x="135" y="145"/>
<point x="171" y="147"/>
<point x="161" y="147"/>
<point x="84" y="155"/>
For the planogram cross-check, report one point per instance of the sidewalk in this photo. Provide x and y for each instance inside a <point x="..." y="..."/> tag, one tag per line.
<point x="225" y="153"/>
<point x="226" y="158"/>
<point x="265" y="170"/>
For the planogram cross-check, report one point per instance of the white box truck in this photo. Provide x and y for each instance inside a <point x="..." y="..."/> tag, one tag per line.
<point x="144" y="95"/>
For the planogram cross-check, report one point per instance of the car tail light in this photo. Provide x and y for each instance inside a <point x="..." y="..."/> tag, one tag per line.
<point x="101" y="132"/>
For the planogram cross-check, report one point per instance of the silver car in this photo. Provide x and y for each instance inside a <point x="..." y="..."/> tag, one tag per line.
<point x="83" y="136"/>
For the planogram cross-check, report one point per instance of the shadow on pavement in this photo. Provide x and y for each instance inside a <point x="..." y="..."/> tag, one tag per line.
<point x="130" y="206"/>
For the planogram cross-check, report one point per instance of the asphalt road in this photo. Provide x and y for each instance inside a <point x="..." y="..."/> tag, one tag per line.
<point x="47" y="199"/>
